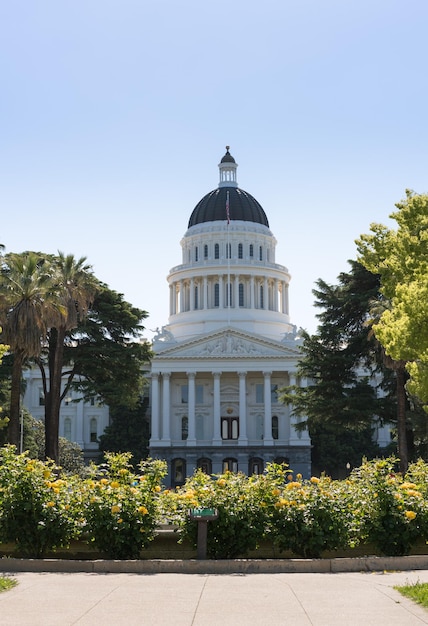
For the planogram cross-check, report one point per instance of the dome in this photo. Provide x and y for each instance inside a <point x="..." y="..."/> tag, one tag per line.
<point x="242" y="206"/>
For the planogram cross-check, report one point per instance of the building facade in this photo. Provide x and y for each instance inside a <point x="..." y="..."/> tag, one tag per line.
<point x="228" y="347"/>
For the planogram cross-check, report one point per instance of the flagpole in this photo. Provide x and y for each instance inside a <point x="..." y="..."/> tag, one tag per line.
<point x="228" y="258"/>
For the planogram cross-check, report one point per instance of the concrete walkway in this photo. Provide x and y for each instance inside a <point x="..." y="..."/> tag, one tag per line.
<point x="268" y="599"/>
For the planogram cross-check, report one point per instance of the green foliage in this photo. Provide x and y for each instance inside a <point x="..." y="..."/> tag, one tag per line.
<point x="400" y="257"/>
<point x="241" y="520"/>
<point x="128" y="431"/>
<point x="390" y="511"/>
<point x="120" y="508"/>
<point x="36" y="507"/>
<point x="6" y="583"/>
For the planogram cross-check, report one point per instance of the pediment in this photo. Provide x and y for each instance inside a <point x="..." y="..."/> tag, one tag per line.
<point x="229" y="344"/>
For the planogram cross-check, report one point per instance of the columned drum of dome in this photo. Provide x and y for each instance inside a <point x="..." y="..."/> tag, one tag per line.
<point x="229" y="345"/>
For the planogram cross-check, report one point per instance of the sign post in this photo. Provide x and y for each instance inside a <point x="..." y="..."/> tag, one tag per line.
<point x="203" y="516"/>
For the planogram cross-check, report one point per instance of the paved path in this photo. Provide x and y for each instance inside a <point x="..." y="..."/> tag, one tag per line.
<point x="348" y="599"/>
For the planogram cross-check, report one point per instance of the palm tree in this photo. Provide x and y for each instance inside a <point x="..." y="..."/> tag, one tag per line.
<point x="27" y="304"/>
<point x="75" y="286"/>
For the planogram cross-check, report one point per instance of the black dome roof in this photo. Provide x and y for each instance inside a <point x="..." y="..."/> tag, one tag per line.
<point x="242" y="206"/>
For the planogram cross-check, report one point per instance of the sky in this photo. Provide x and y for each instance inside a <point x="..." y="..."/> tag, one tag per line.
<point x="115" y="114"/>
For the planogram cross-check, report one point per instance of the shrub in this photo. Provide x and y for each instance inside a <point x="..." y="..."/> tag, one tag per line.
<point x="307" y="517"/>
<point x="392" y="510"/>
<point x="120" y="508"/>
<point x="37" y="508"/>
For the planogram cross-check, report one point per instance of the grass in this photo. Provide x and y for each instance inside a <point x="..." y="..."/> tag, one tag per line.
<point x="7" y="583"/>
<point x="417" y="592"/>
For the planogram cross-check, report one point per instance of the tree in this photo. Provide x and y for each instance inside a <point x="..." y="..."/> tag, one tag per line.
<point x="400" y="258"/>
<point x="128" y="431"/>
<point x="27" y="306"/>
<point x="75" y="286"/>
<point x="339" y="403"/>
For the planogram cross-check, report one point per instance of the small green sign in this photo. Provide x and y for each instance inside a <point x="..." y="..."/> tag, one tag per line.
<point x="203" y="512"/>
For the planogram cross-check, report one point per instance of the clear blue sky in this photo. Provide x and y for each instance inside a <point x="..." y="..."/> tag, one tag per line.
<point x="115" y="114"/>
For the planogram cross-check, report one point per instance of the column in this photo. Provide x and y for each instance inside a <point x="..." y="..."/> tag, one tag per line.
<point x="267" y="436"/>
<point x="265" y="295"/>
<point x="192" y="295"/>
<point x="191" y="437"/>
<point x="166" y="437"/>
<point x="286" y="304"/>
<point x="243" y="440"/>
<point x="275" y="294"/>
<point x="252" y="292"/>
<point x="236" y="303"/>
<point x="181" y="296"/>
<point x="220" y="293"/>
<point x="205" y="295"/>
<point x="154" y="436"/>
<point x="80" y="436"/>
<point x="217" y="414"/>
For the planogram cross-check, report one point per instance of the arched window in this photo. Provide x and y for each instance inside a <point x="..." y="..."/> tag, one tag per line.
<point x="184" y="427"/>
<point x="255" y="466"/>
<point x="251" y="250"/>
<point x="228" y="251"/>
<point x="275" y="426"/>
<point x="178" y="473"/>
<point x="216" y="295"/>
<point x="230" y="465"/>
<point x="93" y="435"/>
<point x="281" y="460"/>
<point x="216" y="251"/>
<point x="196" y="253"/>
<point x="229" y="428"/>
<point x="205" y="465"/>
<point x="262" y="300"/>
<point x="240" y="251"/>
<point x="261" y="253"/>
<point x="196" y="298"/>
<point x="205" y="251"/>
<point x="241" y="294"/>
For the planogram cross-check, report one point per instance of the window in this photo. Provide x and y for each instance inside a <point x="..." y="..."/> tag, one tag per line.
<point x="229" y="428"/>
<point x="196" y="298"/>
<point x="261" y="253"/>
<point x="199" y="392"/>
<point x="240" y="251"/>
<point x="251" y="250"/>
<point x="205" y="465"/>
<point x="216" y="295"/>
<point x="93" y="435"/>
<point x="229" y="294"/>
<point x="205" y="251"/>
<point x="260" y="393"/>
<point x="196" y="253"/>
<point x="281" y="460"/>
<point x="216" y="251"/>
<point x="67" y="428"/>
<point x="275" y="427"/>
<point x="255" y="466"/>
<point x="184" y="394"/>
<point x="274" y="394"/>
<point x="184" y="427"/>
<point x="230" y="465"/>
<point x="262" y="304"/>
<point x="228" y="251"/>
<point x="241" y="294"/>
<point x="41" y="397"/>
<point x="178" y="471"/>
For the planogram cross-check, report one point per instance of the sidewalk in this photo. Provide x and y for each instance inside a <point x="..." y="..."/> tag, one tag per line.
<point x="292" y="599"/>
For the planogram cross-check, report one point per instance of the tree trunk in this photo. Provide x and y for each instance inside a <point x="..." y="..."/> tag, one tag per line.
<point x="401" y="419"/>
<point x="52" y="408"/>
<point x="13" y="429"/>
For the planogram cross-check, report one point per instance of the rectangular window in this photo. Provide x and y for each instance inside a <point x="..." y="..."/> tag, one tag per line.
<point x="229" y="428"/>
<point x="41" y="397"/>
<point x="274" y="394"/>
<point x="260" y="393"/>
<point x="199" y="391"/>
<point x="184" y="394"/>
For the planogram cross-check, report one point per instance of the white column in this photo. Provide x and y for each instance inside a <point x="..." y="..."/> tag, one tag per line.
<point x="166" y="436"/>
<point x="217" y="414"/>
<point x="191" y="437"/>
<point x="205" y="296"/>
<point x="243" y="440"/>
<point x="252" y="292"/>
<point x="286" y="303"/>
<point x="192" y="295"/>
<point x="236" y="303"/>
<point x="220" y="293"/>
<point x="154" y="437"/>
<point x="268" y="410"/>
<point x="265" y="295"/>
<point x="181" y="296"/>
<point x="275" y="294"/>
<point x="80" y="436"/>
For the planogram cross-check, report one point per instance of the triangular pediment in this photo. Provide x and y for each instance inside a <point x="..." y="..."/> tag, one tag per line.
<point x="229" y="343"/>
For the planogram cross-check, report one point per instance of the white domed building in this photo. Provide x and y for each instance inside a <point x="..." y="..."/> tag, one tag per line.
<point x="229" y="345"/>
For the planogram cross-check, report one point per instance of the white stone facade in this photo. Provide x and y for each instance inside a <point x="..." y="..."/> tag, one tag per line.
<point x="228" y="346"/>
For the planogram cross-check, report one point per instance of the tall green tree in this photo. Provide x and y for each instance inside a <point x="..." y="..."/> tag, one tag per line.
<point x="400" y="258"/>
<point x="28" y="304"/>
<point x="339" y="405"/>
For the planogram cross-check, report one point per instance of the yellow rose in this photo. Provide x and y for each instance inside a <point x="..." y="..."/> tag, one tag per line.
<point x="143" y="510"/>
<point x="410" y="514"/>
<point x="115" y="484"/>
<point x="115" y="508"/>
